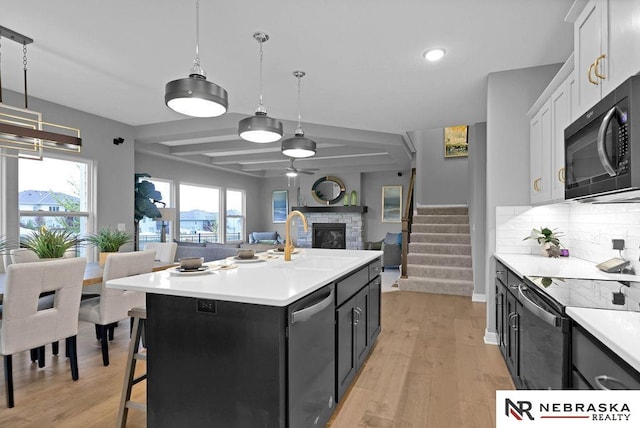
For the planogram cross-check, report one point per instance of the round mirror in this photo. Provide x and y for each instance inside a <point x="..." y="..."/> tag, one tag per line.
<point x="328" y="190"/>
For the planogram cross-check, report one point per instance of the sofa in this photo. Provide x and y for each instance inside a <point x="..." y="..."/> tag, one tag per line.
<point x="209" y="251"/>
<point x="258" y="241"/>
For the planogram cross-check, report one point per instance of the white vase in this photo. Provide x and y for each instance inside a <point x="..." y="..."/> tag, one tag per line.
<point x="544" y="246"/>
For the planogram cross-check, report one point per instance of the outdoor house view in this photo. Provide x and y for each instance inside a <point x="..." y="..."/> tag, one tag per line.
<point x="295" y="214"/>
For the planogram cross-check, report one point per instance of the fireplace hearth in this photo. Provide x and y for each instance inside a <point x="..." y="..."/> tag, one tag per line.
<point x="329" y="235"/>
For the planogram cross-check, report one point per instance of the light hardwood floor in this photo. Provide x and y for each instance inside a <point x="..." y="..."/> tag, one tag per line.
<point x="429" y="368"/>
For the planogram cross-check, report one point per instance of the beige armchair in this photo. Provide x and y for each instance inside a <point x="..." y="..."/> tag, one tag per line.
<point x="113" y="305"/>
<point x="24" y="326"/>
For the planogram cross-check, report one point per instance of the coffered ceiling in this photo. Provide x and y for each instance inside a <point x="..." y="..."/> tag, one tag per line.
<point x="366" y="87"/>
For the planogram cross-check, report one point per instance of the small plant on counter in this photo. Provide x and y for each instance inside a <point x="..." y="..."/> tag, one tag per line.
<point x="548" y="240"/>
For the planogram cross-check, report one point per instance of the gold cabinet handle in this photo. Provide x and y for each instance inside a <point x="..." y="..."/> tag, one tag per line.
<point x="561" y="175"/>
<point x="589" y="74"/>
<point x="596" y="64"/>
<point x="536" y="185"/>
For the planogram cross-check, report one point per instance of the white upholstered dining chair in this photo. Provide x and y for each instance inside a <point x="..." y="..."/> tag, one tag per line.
<point x="23" y="255"/>
<point x="112" y="305"/>
<point x="24" y="326"/>
<point x="165" y="251"/>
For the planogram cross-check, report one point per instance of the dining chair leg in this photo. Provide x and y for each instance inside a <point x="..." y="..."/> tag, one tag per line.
<point x="97" y="332"/>
<point x="55" y="346"/>
<point x="111" y="329"/>
<point x="34" y="355"/>
<point x="41" y="356"/>
<point x="104" y="344"/>
<point x="71" y="343"/>
<point x="8" y="379"/>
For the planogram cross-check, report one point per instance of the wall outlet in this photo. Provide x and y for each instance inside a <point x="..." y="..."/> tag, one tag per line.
<point x="617" y="244"/>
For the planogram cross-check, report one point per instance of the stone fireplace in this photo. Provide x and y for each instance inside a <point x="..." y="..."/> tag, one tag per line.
<point x="351" y="216"/>
<point x="328" y="235"/>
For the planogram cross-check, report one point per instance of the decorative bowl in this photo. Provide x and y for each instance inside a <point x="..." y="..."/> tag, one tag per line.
<point x="246" y="254"/>
<point x="191" y="262"/>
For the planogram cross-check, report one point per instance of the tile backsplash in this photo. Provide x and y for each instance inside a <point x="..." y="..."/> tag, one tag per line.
<point x="587" y="229"/>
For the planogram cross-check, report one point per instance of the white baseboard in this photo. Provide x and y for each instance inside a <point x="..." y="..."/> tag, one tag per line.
<point x="477" y="297"/>
<point x="490" y="338"/>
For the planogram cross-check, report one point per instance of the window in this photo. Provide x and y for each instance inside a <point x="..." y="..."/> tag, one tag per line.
<point x="199" y="213"/>
<point x="234" y="220"/>
<point x="55" y="193"/>
<point x="149" y="229"/>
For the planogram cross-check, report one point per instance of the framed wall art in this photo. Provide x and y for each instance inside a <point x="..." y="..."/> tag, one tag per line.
<point x="279" y="206"/>
<point x="456" y="143"/>
<point x="391" y="204"/>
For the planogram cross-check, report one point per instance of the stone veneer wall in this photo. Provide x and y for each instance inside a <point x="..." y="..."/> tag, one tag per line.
<point x="354" y="228"/>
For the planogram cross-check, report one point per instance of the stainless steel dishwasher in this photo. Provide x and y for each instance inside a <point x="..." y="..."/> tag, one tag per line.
<point x="311" y="352"/>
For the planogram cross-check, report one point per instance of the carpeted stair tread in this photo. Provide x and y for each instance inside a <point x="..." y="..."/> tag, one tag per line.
<point x="440" y="272"/>
<point x="443" y="210"/>
<point x="439" y="248"/>
<point x="440" y="219"/>
<point x="439" y="228"/>
<point x="451" y="260"/>
<point x="436" y="286"/>
<point x="441" y="238"/>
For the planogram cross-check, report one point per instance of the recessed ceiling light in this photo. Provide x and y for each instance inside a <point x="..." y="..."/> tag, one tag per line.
<point x="434" y="54"/>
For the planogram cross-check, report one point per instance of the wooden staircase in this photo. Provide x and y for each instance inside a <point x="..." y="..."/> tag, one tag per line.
<point x="439" y="253"/>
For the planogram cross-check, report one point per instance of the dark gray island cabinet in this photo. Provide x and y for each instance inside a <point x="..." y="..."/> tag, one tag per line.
<point x="251" y="362"/>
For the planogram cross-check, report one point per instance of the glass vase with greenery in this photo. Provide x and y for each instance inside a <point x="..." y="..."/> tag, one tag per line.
<point x="49" y="243"/>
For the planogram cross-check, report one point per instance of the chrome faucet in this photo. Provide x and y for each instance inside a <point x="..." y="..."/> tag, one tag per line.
<point x="288" y="246"/>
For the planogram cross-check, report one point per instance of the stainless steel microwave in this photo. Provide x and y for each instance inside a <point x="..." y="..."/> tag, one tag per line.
<point x="601" y="155"/>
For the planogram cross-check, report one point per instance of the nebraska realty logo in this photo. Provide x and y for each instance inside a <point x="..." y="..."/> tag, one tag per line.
<point x="567" y="409"/>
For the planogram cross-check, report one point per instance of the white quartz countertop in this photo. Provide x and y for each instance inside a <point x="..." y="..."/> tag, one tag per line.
<point x="267" y="281"/>
<point x="619" y="330"/>
<point x="561" y="267"/>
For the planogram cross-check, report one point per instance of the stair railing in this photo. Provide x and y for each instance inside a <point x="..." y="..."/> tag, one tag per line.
<point x="407" y="221"/>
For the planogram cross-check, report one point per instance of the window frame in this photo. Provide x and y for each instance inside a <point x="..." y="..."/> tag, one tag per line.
<point x="243" y="216"/>
<point x="89" y="214"/>
<point x="221" y="195"/>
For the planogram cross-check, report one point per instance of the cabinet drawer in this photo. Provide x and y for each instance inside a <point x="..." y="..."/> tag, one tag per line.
<point x="501" y="272"/>
<point x="593" y="359"/>
<point x="350" y="285"/>
<point x="513" y="281"/>
<point x="375" y="268"/>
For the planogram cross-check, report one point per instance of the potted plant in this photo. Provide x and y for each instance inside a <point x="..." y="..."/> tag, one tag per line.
<point x="548" y="239"/>
<point x="108" y="241"/>
<point x="145" y="198"/>
<point x="49" y="243"/>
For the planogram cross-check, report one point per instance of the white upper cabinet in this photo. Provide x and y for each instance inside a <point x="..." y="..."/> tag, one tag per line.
<point x="590" y="38"/>
<point x="606" y="48"/>
<point x="560" y="119"/>
<point x="541" y="136"/>
<point x="624" y="42"/>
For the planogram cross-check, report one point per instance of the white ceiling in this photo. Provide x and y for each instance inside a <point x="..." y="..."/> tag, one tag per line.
<point x="362" y="58"/>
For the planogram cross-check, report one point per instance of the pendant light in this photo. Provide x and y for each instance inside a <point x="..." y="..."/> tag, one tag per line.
<point x="299" y="146"/>
<point x="260" y="128"/>
<point x="195" y="95"/>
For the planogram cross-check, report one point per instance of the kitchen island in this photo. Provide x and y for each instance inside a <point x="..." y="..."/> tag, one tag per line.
<point x="267" y="343"/>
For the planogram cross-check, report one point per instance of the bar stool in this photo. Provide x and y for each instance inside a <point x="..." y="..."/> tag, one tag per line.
<point x="138" y="316"/>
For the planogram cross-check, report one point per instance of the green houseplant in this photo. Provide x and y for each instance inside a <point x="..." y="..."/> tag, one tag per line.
<point x="548" y="239"/>
<point x="49" y="243"/>
<point x="144" y="205"/>
<point x="108" y="241"/>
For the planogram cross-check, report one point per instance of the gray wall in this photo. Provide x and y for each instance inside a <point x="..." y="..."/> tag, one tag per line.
<point x="510" y="94"/>
<point x="477" y="203"/>
<point x="372" y="184"/>
<point x="439" y="180"/>
<point x="114" y="164"/>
